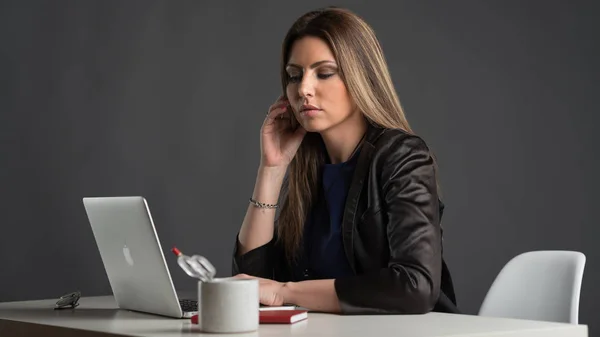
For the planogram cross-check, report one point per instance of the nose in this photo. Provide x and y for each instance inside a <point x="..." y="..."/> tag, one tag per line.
<point x="306" y="87"/>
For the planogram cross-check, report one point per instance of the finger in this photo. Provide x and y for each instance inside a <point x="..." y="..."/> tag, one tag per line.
<point x="277" y="106"/>
<point x="276" y="112"/>
<point x="242" y="276"/>
<point x="285" y="116"/>
<point x="278" y="103"/>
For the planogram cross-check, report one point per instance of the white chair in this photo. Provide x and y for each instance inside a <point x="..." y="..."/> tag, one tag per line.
<point x="538" y="285"/>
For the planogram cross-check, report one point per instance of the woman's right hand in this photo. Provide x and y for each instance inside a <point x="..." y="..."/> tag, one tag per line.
<point x="279" y="142"/>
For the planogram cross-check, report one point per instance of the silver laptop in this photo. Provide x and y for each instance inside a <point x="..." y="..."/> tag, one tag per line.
<point x="133" y="257"/>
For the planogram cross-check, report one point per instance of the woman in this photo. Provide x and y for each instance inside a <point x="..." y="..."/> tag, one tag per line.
<point x="359" y="227"/>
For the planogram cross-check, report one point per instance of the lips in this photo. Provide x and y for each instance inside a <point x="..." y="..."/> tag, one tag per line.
<point x="308" y="109"/>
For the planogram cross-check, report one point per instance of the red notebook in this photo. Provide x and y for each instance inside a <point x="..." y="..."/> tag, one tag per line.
<point x="282" y="316"/>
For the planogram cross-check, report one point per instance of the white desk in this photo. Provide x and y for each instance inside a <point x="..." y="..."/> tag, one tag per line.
<point x="98" y="316"/>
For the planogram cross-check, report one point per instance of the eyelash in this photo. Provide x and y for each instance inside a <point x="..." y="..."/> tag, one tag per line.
<point x="295" y="79"/>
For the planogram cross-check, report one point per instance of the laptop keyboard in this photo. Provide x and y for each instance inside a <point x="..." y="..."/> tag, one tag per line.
<point x="189" y="305"/>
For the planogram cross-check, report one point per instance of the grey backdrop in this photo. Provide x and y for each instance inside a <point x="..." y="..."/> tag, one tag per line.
<point x="165" y="99"/>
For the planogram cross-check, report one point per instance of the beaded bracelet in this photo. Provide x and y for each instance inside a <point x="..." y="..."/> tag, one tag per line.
<point x="262" y="205"/>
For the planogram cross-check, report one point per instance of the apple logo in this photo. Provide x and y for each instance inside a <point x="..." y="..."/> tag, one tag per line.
<point x="127" y="254"/>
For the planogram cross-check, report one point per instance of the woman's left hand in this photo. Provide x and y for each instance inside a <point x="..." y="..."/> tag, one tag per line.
<point x="270" y="291"/>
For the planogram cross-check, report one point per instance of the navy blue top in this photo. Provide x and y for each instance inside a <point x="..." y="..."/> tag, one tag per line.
<point x="324" y="255"/>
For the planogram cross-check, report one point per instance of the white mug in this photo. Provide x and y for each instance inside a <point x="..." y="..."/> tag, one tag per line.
<point x="228" y="305"/>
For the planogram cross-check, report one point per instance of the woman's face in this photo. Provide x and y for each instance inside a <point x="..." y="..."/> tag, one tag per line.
<point x="316" y="92"/>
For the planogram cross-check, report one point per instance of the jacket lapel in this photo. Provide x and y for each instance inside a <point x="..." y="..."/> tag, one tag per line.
<point x="358" y="180"/>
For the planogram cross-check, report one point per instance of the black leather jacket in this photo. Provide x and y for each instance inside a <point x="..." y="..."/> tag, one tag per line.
<point x="391" y="233"/>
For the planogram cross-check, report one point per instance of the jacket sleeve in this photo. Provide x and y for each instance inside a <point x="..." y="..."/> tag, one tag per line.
<point x="256" y="262"/>
<point x="411" y="282"/>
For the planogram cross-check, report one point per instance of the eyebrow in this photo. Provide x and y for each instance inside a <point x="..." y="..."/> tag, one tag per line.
<point x="312" y="66"/>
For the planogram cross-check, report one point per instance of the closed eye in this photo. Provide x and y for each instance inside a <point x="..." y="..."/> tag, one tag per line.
<point x="294" y="79"/>
<point x="298" y="78"/>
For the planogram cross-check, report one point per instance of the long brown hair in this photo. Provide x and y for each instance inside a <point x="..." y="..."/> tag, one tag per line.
<point x="364" y="71"/>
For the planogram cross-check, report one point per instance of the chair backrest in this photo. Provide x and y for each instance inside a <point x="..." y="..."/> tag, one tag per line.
<point x="538" y="285"/>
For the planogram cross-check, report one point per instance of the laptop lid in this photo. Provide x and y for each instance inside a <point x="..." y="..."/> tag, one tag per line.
<point x="132" y="255"/>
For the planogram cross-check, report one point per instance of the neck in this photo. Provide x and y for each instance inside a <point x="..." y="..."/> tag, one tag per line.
<point x="342" y="140"/>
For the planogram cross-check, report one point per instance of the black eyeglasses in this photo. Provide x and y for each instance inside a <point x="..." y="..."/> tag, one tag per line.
<point x="68" y="301"/>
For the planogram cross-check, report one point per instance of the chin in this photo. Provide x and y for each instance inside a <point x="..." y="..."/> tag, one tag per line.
<point x="315" y="126"/>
